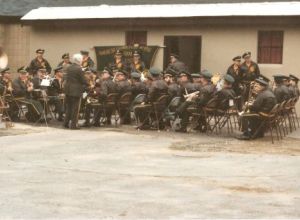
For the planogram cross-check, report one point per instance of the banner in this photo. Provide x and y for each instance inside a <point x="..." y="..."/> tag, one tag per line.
<point x="105" y="54"/>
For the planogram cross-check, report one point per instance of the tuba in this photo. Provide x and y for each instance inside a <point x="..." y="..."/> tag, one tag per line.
<point x="3" y="59"/>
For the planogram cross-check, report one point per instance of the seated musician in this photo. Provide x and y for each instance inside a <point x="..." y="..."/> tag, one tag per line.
<point x="250" y="119"/>
<point x="137" y="86"/>
<point x="173" y="87"/>
<point x="22" y="91"/>
<point x="123" y="86"/>
<point x="157" y="88"/>
<point x="281" y="91"/>
<point x="107" y="87"/>
<point x="55" y="92"/>
<point x="137" y="64"/>
<point x="225" y="97"/>
<point x="293" y="86"/>
<point x="199" y="99"/>
<point x="7" y="89"/>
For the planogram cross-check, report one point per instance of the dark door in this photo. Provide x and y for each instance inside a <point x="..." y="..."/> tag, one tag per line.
<point x="187" y="47"/>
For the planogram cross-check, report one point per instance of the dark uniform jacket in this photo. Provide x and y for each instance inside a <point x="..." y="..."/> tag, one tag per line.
<point x="121" y="65"/>
<point x="35" y="65"/>
<point x="237" y="75"/>
<point x="264" y="102"/>
<point x="188" y="88"/>
<point x="55" y="88"/>
<point x="173" y="90"/>
<point x="250" y="73"/>
<point x="89" y="63"/>
<point x="223" y="97"/>
<point x="140" y="67"/>
<point x="282" y="93"/>
<point x="294" y="91"/>
<point x="107" y="87"/>
<point x="138" y="88"/>
<point x="20" y="89"/>
<point x="75" y="82"/>
<point x="158" y="88"/>
<point x="177" y="66"/>
<point x="206" y="93"/>
<point x="123" y="87"/>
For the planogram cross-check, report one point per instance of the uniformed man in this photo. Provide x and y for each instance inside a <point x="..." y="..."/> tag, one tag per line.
<point x="281" y="90"/>
<point x="235" y="71"/>
<point x="119" y="62"/>
<point x="293" y="86"/>
<point x="87" y="61"/>
<point x="137" y="86"/>
<point x="137" y="64"/>
<point x="74" y="88"/>
<point x="65" y="63"/>
<point x="186" y="84"/>
<point x="22" y="88"/>
<point x="264" y="102"/>
<point x="39" y="63"/>
<point x="56" y="93"/>
<point x="225" y="97"/>
<point x="177" y="65"/>
<point x="157" y="88"/>
<point x="196" y="78"/>
<point x="173" y="87"/>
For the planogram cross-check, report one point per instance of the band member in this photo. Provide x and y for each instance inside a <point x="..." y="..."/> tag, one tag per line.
<point x="38" y="63"/>
<point x="264" y="103"/>
<point x="225" y="97"/>
<point x="137" y="86"/>
<point x="157" y="88"/>
<point x="6" y="81"/>
<point x="87" y="61"/>
<point x="235" y="71"/>
<point x="293" y="86"/>
<point x="119" y="62"/>
<point x="137" y="64"/>
<point x="38" y="78"/>
<point x="173" y="87"/>
<point x="74" y="88"/>
<point x="196" y="80"/>
<point x="56" y="93"/>
<point x="65" y="63"/>
<point x="281" y="90"/>
<point x="22" y="88"/>
<point x="123" y="86"/>
<point x="177" y="65"/>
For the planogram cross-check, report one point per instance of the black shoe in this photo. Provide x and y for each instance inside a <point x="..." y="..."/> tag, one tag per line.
<point x="60" y="118"/>
<point x="243" y="137"/>
<point x="143" y="127"/>
<point x="75" y="128"/>
<point x="182" y="130"/>
<point x="97" y="124"/>
<point x="66" y="126"/>
<point x="86" y="125"/>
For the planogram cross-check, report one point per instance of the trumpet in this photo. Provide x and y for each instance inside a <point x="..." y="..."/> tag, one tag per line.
<point x="189" y="97"/>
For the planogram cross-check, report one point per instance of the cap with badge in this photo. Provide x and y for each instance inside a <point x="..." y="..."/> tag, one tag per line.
<point x="184" y="73"/>
<point x="237" y="58"/>
<point x="135" y="75"/>
<point x="261" y="82"/>
<point x="170" y="72"/>
<point x="246" y="54"/>
<point x="136" y="53"/>
<point x="155" y="71"/>
<point x="5" y="70"/>
<point x="120" y="72"/>
<point x="107" y="70"/>
<point x="65" y="56"/>
<point x="264" y="78"/>
<point x="58" y="69"/>
<point x="228" y="78"/>
<point x="22" y="70"/>
<point x="195" y="75"/>
<point x="294" y="78"/>
<point x="280" y="78"/>
<point x="84" y="52"/>
<point x="174" y="55"/>
<point x="42" y="69"/>
<point x="206" y="74"/>
<point x="40" y="51"/>
<point x="118" y="52"/>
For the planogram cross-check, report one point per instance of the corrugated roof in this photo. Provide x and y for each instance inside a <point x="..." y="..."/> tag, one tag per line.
<point x="21" y="7"/>
<point x="165" y="11"/>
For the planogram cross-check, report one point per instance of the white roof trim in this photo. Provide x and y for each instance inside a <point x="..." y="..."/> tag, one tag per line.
<point x="165" y="11"/>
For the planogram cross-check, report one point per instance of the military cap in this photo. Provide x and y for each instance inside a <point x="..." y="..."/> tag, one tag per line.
<point x="206" y="74"/>
<point x="264" y="78"/>
<point x="280" y="77"/>
<point x="40" y="50"/>
<point x="246" y="54"/>
<point x="58" y="69"/>
<point x="228" y="78"/>
<point x="195" y="75"/>
<point x="236" y="58"/>
<point x="136" y="53"/>
<point x="135" y="75"/>
<point x="118" y="52"/>
<point x="22" y="70"/>
<point x="108" y="70"/>
<point x="5" y="70"/>
<point x="120" y="71"/>
<point x="155" y="71"/>
<point x="170" y="72"/>
<point x="66" y="55"/>
<point x="84" y="52"/>
<point x="42" y="69"/>
<point x="174" y="55"/>
<point x="184" y="73"/>
<point x="261" y="82"/>
<point x="293" y="77"/>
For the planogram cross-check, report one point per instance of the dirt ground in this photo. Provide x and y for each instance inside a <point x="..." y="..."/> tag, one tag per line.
<point x="121" y="173"/>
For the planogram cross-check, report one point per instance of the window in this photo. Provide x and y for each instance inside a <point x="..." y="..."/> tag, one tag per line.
<point x="136" y="37"/>
<point x="270" y="47"/>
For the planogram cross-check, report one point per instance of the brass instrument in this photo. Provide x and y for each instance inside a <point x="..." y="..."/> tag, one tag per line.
<point x="3" y="59"/>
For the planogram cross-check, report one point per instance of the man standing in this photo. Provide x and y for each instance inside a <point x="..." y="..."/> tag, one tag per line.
<point x="39" y="63"/>
<point x="65" y="63"/>
<point x="177" y="65"/>
<point x="281" y="90"/>
<point x="74" y="87"/>
<point x="87" y="61"/>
